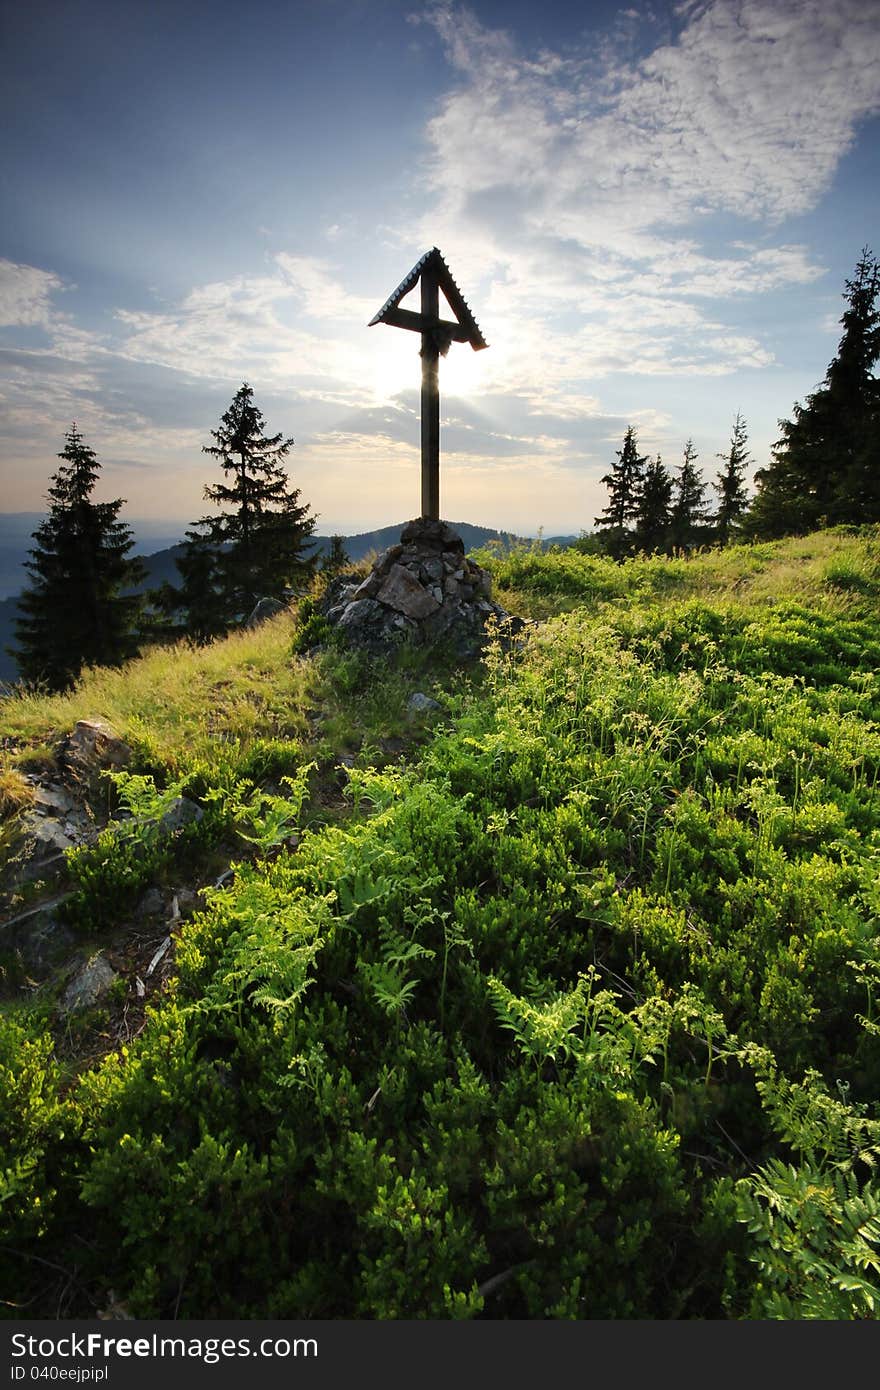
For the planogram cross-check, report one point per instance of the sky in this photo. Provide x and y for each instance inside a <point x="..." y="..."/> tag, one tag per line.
<point x="651" y="209"/>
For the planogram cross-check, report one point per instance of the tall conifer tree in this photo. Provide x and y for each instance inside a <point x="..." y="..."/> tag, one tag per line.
<point x="826" y="466"/>
<point x="76" y="611"/>
<point x="654" y="513"/>
<point x="624" y="484"/>
<point x="730" y="484"/>
<point x="689" y="518"/>
<point x="259" y="543"/>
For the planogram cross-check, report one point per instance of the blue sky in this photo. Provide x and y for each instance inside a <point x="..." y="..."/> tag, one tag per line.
<point x="651" y="209"/>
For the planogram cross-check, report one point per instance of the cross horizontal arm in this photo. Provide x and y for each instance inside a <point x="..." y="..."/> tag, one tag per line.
<point x="419" y="323"/>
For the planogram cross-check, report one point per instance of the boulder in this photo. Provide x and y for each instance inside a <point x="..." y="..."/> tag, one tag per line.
<point x="433" y="535"/>
<point x="419" y="703"/>
<point x="403" y="592"/>
<point x="265" y="608"/>
<point x="38" y="937"/>
<point x="89" y="984"/>
<point x="93" y="747"/>
<point x="363" y="612"/>
<point x="386" y="559"/>
<point x="180" y="812"/>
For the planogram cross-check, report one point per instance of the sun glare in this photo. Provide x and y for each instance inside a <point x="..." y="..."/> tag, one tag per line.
<point x="395" y="366"/>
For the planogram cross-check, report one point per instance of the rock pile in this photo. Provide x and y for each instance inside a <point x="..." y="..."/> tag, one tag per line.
<point x="425" y="589"/>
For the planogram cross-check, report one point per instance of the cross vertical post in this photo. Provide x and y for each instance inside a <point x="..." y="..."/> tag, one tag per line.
<point x="430" y="355"/>
<point x="432" y="274"/>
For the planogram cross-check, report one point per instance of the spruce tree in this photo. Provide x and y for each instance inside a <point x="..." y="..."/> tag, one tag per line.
<point x="826" y="466"/>
<point x="624" y="484"/>
<point x="689" y="516"/>
<point x="336" y="558"/>
<point x="730" y="484"/>
<point x="259" y="544"/>
<point x="654" y="513"/>
<point x="76" y="611"/>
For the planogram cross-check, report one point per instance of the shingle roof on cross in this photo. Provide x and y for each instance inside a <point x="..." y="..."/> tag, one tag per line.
<point x="433" y="274"/>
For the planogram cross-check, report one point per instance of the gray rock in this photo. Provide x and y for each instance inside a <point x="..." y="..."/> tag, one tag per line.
<point x="386" y="559"/>
<point x="180" y="812"/>
<point x="406" y="594"/>
<point x="52" y="799"/>
<point x="432" y="535"/>
<point x="419" y="703"/>
<point x="94" y="746"/>
<point x="433" y="570"/>
<point x="368" y="588"/>
<point x="50" y="835"/>
<point x="362" y="613"/>
<point x="88" y="986"/>
<point x="265" y="608"/>
<point x="38" y="936"/>
<point x="151" y="904"/>
<point x="424" y="589"/>
<point x="187" y="901"/>
<point x="42" y="843"/>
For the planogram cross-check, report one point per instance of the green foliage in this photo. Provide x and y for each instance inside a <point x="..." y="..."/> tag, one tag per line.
<point x="625" y="485"/>
<point x="258" y="545"/>
<point x="575" y="1015"/>
<point x="131" y="851"/>
<point x="76" y="612"/>
<point x="816" y="1223"/>
<point x="824" y="467"/>
<point x="730" y="484"/>
<point x="38" y="1158"/>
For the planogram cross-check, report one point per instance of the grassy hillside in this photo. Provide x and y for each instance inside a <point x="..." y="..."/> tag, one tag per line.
<point x="564" y="1005"/>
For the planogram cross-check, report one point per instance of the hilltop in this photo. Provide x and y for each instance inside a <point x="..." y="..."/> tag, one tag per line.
<point x="550" y="994"/>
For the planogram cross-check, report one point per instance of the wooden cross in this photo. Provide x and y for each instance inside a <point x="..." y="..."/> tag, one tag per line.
<point x="432" y="273"/>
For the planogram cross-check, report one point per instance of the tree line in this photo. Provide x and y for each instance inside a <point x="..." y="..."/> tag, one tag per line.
<point x="81" y="607"/>
<point x="824" y="469"/>
<point x="651" y="510"/>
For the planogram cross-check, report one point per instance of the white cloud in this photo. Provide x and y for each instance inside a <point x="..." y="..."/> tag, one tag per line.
<point x="579" y="189"/>
<point x="25" y="294"/>
<point x="322" y="296"/>
<point x="246" y="328"/>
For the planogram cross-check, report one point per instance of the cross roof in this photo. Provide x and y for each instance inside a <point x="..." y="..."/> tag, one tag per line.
<point x="466" y="330"/>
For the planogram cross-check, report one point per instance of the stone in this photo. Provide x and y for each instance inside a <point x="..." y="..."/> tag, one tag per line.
<point x="151" y="904"/>
<point x="368" y="588"/>
<point x="386" y="559"/>
<point x="94" y="746"/>
<point x="432" y="571"/>
<point x="180" y="812"/>
<point x="423" y="589"/>
<point x="50" y="835"/>
<point x="265" y="608"/>
<point x="442" y="621"/>
<point x="428" y="534"/>
<point x="41" y="849"/>
<point x="52" y="799"/>
<point x="188" y="900"/>
<point x="406" y="594"/>
<point x="38" y="936"/>
<point x="89" y="984"/>
<point x="363" y="612"/>
<point x="419" y="703"/>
